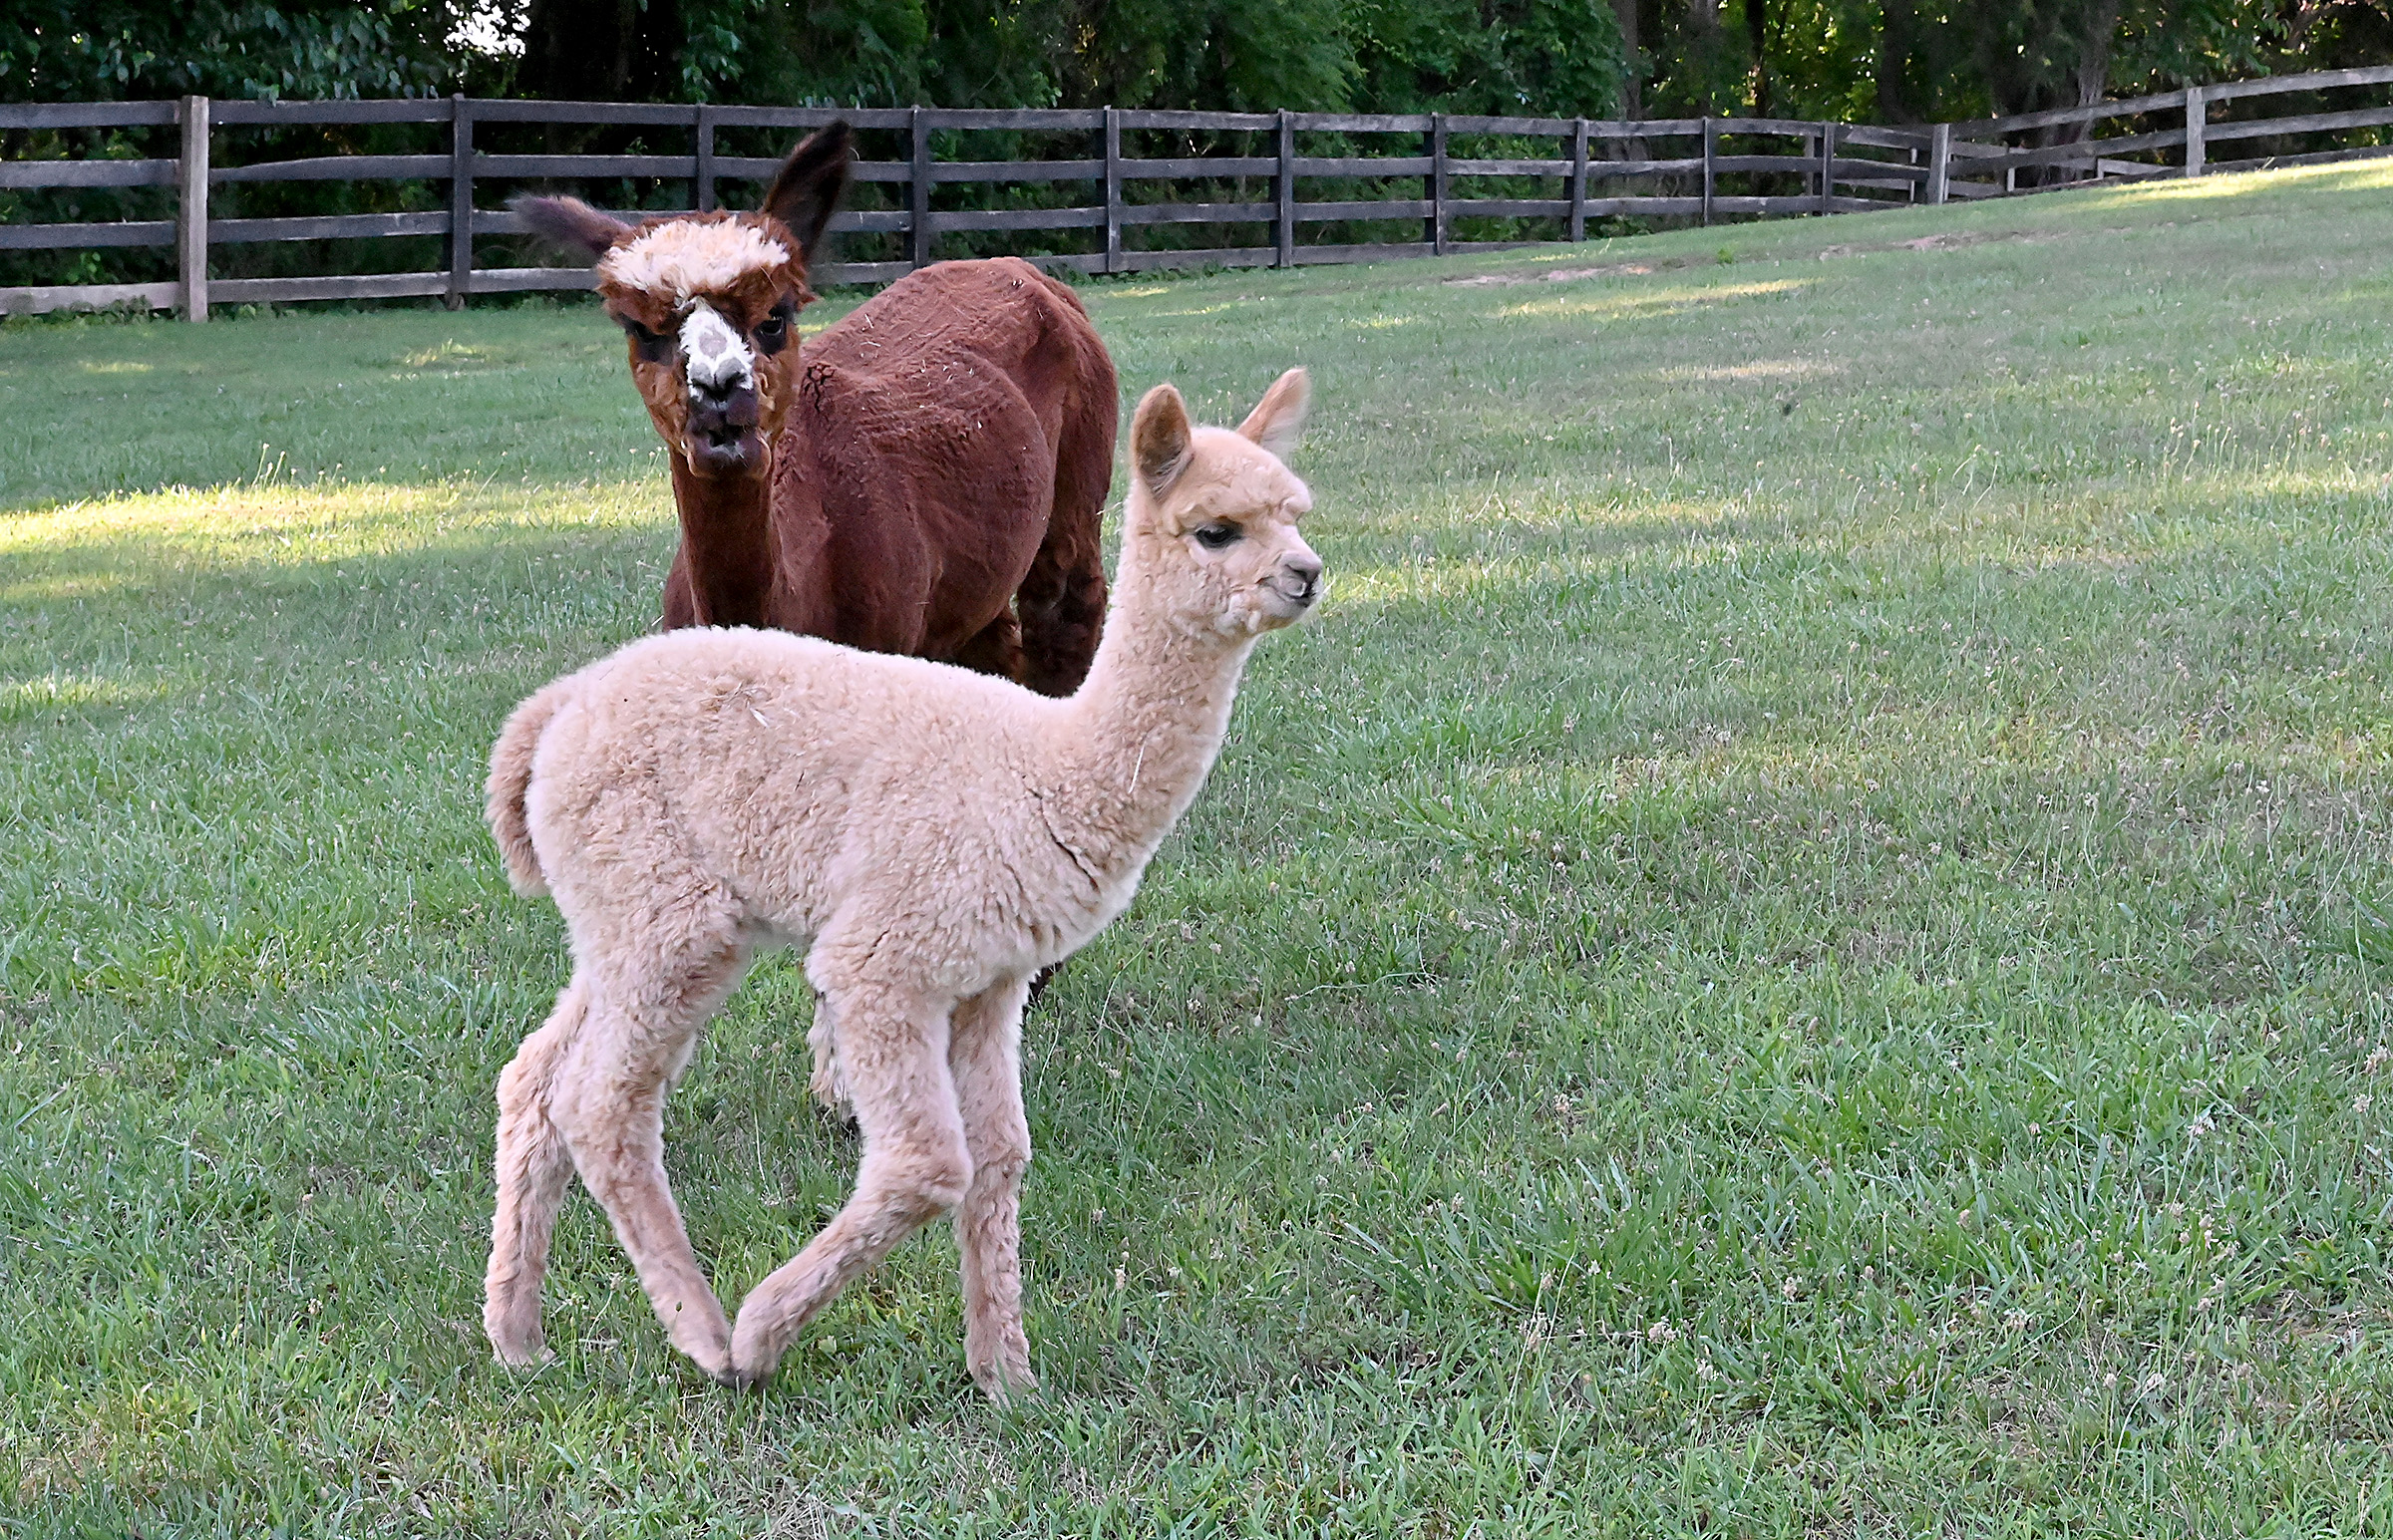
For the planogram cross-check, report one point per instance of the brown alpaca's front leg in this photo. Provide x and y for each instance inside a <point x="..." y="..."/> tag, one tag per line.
<point x="681" y="605"/>
<point x="995" y="649"/>
<point x="986" y="1059"/>
<point x="892" y="1049"/>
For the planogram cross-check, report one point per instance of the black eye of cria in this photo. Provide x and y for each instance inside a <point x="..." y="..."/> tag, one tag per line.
<point x="1217" y="535"/>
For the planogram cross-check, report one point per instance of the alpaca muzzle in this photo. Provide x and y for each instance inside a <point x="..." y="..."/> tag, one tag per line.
<point x="722" y="431"/>
<point x="721" y="434"/>
<point x="1296" y="585"/>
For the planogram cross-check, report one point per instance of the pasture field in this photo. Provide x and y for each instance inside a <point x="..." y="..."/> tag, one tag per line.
<point x="1800" y="950"/>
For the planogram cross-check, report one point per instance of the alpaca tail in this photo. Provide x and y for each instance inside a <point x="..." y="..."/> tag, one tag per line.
<point x="1061" y="602"/>
<point x="511" y="779"/>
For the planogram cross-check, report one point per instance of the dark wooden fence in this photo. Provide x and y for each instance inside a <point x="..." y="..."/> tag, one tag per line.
<point x="1985" y="159"/>
<point x="1277" y="189"/>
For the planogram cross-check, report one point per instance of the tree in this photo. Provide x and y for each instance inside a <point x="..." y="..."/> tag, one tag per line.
<point x="112" y="50"/>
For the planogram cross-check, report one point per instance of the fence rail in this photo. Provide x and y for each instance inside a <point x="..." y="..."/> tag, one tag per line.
<point x="1984" y="166"/>
<point x="1593" y="170"/>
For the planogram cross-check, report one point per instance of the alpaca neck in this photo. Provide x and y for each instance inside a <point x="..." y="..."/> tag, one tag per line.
<point x="1143" y="731"/>
<point x="726" y="544"/>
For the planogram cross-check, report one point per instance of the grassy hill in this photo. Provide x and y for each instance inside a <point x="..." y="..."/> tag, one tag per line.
<point x="1803" y="948"/>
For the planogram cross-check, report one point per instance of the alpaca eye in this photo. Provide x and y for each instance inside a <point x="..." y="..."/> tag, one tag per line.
<point x="651" y="344"/>
<point x="1216" y="536"/>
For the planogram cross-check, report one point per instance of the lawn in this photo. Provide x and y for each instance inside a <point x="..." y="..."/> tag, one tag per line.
<point x="1801" y="949"/>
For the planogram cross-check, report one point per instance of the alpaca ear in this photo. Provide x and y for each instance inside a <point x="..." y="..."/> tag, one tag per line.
<point x="572" y="223"/>
<point x="1158" y="439"/>
<point x="1277" y="420"/>
<point x="808" y="185"/>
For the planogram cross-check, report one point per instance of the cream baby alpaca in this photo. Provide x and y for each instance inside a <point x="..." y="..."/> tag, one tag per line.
<point x="932" y="837"/>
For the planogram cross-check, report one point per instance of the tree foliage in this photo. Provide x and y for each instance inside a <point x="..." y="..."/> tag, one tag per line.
<point x="107" y="50"/>
<point x="1915" y="61"/>
<point x="1887" y="60"/>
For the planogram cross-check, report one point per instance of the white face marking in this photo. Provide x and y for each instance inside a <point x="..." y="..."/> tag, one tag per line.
<point x="717" y="360"/>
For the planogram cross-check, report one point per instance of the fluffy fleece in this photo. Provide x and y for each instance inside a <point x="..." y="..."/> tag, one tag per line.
<point x="933" y="837"/>
<point x="679" y="260"/>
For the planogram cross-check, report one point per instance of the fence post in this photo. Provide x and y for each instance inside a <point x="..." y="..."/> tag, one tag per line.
<point x="919" y="185"/>
<point x="705" y="189"/>
<point x="1711" y="137"/>
<point x="1578" y="181"/>
<point x="191" y="211"/>
<point x="1111" y="147"/>
<point x="1437" y="184"/>
<point x="1827" y="167"/>
<point x="1939" y="163"/>
<point x="2197" y="124"/>
<point x="1284" y="192"/>
<point x="460" y="202"/>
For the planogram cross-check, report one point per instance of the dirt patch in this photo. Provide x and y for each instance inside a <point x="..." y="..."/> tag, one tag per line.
<point x="1951" y="240"/>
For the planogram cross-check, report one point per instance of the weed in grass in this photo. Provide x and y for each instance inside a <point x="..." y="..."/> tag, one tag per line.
<point x="1761" y="971"/>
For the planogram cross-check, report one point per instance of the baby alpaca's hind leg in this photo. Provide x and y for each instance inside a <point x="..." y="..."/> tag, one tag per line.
<point x="892" y="1049"/>
<point x="611" y="1105"/>
<point x="530" y="1166"/>
<point x="986" y="1058"/>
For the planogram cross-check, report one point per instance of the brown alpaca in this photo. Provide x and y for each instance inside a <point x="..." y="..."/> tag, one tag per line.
<point x="930" y="837"/>
<point x="924" y="478"/>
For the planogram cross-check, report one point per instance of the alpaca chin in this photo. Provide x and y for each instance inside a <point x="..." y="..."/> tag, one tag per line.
<point x="741" y="455"/>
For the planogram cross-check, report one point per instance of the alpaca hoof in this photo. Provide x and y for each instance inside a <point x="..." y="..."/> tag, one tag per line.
<point x="1006" y="1385"/>
<point x="521" y="1355"/>
<point x="1001" y="1365"/>
<point x="702" y="1335"/>
<point x="517" y="1344"/>
<point x="713" y="1359"/>
<point x="750" y="1370"/>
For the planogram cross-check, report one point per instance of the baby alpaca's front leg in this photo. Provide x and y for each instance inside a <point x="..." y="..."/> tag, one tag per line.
<point x="987" y="1063"/>
<point x="892" y="1047"/>
<point x="829" y="1085"/>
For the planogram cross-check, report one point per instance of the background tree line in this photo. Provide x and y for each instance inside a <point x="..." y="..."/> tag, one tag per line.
<point x="1902" y="61"/>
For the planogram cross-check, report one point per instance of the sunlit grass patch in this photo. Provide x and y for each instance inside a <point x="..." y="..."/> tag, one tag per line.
<point x="1652" y="303"/>
<point x="320" y="522"/>
<point x="18" y="696"/>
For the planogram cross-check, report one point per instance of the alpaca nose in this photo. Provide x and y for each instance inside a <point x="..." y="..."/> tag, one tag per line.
<point x="726" y="408"/>
<point x="716" y="362"/>
<point x="1306" y="570"/>
<point x="722" y="392"/>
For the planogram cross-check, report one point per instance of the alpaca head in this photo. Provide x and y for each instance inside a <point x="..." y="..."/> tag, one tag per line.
<point x="1212" y="513"/>
<point x="710" y="303"/>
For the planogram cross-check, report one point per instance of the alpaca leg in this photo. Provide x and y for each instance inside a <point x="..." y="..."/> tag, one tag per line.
<point x="531" y="1166"/>
<point x="892" y="1047"/>
<point x="829" y="1085"/>
<point x="995" y="649"/>
<point x="986" y="1059"/>
<point x="1061" y="601"/>
<point x="609" y="1104"/>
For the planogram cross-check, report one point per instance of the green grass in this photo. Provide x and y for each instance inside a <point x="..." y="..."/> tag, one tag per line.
<point x="1802" y="950"/>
